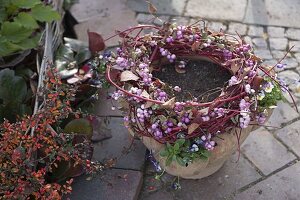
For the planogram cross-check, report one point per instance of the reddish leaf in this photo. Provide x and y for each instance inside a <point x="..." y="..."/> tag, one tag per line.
<point x="96" y="42"/>
<point x="257" y="82"/>
<point x="195" y="45"/>
<point x="151" y="8"/>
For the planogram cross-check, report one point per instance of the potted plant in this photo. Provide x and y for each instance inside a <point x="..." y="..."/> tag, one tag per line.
<point x="192" y="95"/>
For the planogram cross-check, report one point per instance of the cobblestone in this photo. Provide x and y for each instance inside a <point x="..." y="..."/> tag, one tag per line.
<point x="296" y="45"/>
<point x="256" y="31"/>
<point x="279" y="54"/>
<point x="291" y="63"/>
<point x="297" y="56"/>
<point x="289" y="76"/>
<point x="216" y="26"/>
<point x="237" y="27"/>
<point x="180" y="20"/>
<point x="275" y="32"/>
<point x="278" y="43"/>
<point x="293" y="34"/>
<point x="260" y="43"/>
<point x="263" y="53"/>
<point x="266" y="153"/>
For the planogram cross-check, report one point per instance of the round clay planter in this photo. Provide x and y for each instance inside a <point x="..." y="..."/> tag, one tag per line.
<point x="227" y="144"/>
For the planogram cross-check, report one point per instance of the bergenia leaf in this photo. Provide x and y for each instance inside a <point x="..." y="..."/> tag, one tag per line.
<point x="96" y="42"/>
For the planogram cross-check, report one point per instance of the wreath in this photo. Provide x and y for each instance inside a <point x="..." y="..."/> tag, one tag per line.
<point x="153" y="111"/>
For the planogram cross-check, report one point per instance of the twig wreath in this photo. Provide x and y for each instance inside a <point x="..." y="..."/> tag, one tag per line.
<point x="153" y="110"/>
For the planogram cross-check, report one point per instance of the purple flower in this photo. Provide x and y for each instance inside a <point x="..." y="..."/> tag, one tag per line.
<point x="244" y="121"/>
<point x="281" y="66"/>
<point x="244" y="105"/>
<point x="233" y="81"/>
<point x="260" y="118"/>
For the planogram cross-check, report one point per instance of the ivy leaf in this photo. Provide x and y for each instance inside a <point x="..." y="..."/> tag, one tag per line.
<point x="14" y="32"/>
<point x="44" y="13"/>
<point x="26" y="20"/>
<point x="26" y="3"/>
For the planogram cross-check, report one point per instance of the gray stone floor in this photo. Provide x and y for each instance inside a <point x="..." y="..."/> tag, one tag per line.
<point x="268" y="167"/>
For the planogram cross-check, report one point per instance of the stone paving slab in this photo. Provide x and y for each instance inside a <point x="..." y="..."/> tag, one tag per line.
<point x="282" y="114"/>
<point x="265" y="152"/>
<point x="232" y="176"/>
<point x="169" y="7"/>
<point x="290" y="135"/>
<point x="111" y="184"/>
<point x="119" y="147"/>
<point x="107" y="25"/>
<point x="84" y="10"/>
<point x="281" y="186"/>
<point x="105" y="106"/>
<point x="217" y="9"/>
<point x="275" y="13"/>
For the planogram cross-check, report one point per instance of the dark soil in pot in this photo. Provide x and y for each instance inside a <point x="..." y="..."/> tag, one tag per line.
<point x="202" y="79"/>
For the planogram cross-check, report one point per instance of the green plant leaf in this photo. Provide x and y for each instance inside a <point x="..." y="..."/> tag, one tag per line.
<point x="3" y="15"/>
<point x="180" y="142"/>
<point x="79" y="126"/>
<point x="7" y="48"/>
<point x="44" y="13"/>
<point x="14" y="32"/>
<point x="169" y="160"/>
<point x="163" y="153"/>
<point x="26" y="20"/>
<point x="180" y="161"/>
<point x="12" y="88"/>
<point x="26" y="3"/>
<point x="176" y="146"/>
<point x="29" y="43"/>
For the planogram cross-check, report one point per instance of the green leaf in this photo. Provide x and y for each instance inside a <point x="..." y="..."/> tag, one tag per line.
<point x="3" y="15"/>
<point x="176" y="146"/>
<point x="79" y="126"/>
<point x="12" y="88"/>
<point x="29" y="43"/>
<point x="44" y="13"/>
<point x="14" y="32"/>
<point x="169" y="160"/>
<point x="163" y="153"/>
<point x="7" y="48"/>
<point x="26" y="3"/>
<point x="26" y="20"/>
<point x="180" y="161"/>
<point x="180" y="142"/>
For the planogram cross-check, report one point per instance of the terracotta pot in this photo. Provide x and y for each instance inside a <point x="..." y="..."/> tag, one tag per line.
<point x="227" y="145"/>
